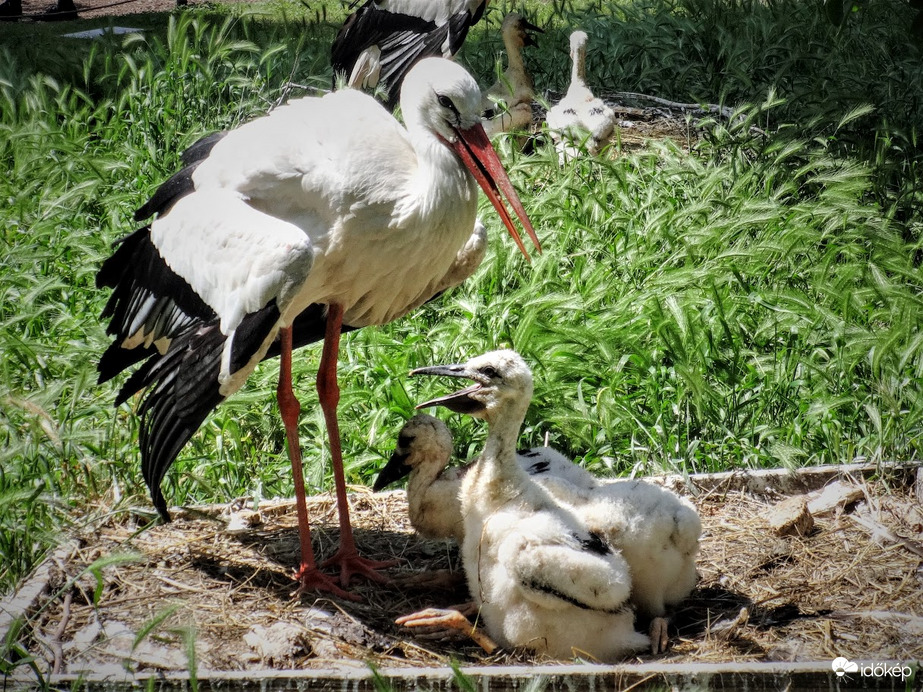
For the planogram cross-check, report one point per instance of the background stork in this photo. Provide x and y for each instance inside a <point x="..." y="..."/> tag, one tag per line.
<point x="381" y="41"/>
<point x="324" y="215"/>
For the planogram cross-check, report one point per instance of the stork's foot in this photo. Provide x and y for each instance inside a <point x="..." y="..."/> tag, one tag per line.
<point x="659" y="632"/>
<point x="446" y="622"/>
<point x="351" y="563"/>
<point x="310" y="579"/>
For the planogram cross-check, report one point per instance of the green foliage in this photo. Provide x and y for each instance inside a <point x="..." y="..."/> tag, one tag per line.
<point x="754" y="302"/>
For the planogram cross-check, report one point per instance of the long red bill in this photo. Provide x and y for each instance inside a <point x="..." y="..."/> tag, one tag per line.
<point x="479" y="157"/>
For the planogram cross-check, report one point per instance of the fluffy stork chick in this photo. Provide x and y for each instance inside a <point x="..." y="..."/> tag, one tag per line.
<point x="508" y="103"/>
<point x="539" y="579"/>
<point x="579" y="116"/>
<point x="656" y="531"/>
<point x="424" y="451"/>
<point x="424" y="448"/>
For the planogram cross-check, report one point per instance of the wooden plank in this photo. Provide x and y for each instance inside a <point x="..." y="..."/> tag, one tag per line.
<point x="788" y="482"/>
<point x="572" y="677"/>
<point x="22" y="602"/>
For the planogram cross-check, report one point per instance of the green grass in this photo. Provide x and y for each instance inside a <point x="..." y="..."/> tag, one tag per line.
<point x="753" y="303"/>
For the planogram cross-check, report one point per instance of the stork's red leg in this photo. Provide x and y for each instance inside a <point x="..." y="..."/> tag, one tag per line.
<point x="347" y="557"/>
<point x="308" y="575"/>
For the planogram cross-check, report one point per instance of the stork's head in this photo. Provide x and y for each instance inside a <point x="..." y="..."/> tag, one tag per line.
<point x="424" y="441"/>
<point x="442" y="96"/>
<point x="439" y="97"/>
<point x="502" y="386"/>
<point x="517" y="30"/>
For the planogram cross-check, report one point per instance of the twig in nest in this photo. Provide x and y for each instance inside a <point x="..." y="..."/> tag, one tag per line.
<point x="59" y="632"/>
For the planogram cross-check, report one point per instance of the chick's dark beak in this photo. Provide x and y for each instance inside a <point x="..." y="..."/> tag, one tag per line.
<point x="396" y="468"/>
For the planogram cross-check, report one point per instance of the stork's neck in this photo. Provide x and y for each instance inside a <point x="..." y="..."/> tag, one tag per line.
<point x="514" y="54"/>
<point x="500" y="472"/>
<point x="423" y="476"/>
<point x="578" y="66"/>
<point x="441" y="181"/>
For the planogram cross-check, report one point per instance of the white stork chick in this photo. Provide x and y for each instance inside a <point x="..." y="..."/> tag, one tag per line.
<point x="579" y="116"/>
<point x="508" y="103"/>
<point x="285" y="231"/>
<point x="424" y="448"/>
<point x="380" y="42"/>
<point x="656" y="531"/>
<point x="539" y="579"/>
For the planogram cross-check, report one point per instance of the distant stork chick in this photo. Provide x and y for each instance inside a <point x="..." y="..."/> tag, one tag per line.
<point x="383" y="39"/>
<point x="508" y="103"/>
<point x="539" y="579"/>
<point x="579" y="116"/>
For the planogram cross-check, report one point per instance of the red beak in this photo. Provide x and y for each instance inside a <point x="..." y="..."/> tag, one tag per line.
<point x="479" y="157"/>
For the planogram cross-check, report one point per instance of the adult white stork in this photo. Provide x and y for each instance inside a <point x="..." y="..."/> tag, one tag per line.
<point x="324" y="215"/>
<point x="384" y="38"/>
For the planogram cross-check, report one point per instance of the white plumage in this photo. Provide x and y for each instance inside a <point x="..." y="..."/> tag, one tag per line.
<point x="324" y="215"/>
<point x="656" y="531"/>
<point x="579" y="117"/>
<point x="539" y="578"/>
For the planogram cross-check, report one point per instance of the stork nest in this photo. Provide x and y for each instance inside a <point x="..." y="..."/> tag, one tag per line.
<point x="134" y="594"/>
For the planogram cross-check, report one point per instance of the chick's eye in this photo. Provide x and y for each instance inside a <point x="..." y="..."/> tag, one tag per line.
<point x="490" y="372"/>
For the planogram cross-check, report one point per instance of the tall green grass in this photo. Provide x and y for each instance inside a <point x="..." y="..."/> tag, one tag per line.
<point x="753" y="303"/>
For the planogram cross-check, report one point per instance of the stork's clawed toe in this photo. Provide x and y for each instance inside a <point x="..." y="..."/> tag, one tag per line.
<point x="444" y="622"/>
<point x="312" y="579"/>
<point x="660" y="636"/>
<point x="351" y="564"/>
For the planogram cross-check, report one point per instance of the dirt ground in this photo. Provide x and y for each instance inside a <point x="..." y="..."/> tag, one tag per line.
<point x="125" y="594"/>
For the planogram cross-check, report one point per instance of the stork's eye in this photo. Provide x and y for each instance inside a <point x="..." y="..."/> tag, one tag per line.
<point x="489" y="371"/>
<point x="446" y="102"/>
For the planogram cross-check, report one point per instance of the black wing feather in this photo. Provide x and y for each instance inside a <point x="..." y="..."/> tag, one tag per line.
<point x="184" y="389"/>
<point x="370" y="26"/>
<point x="179" y="184"/>
<point x="146" y="293"/>
<point x="403" y="40"/>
